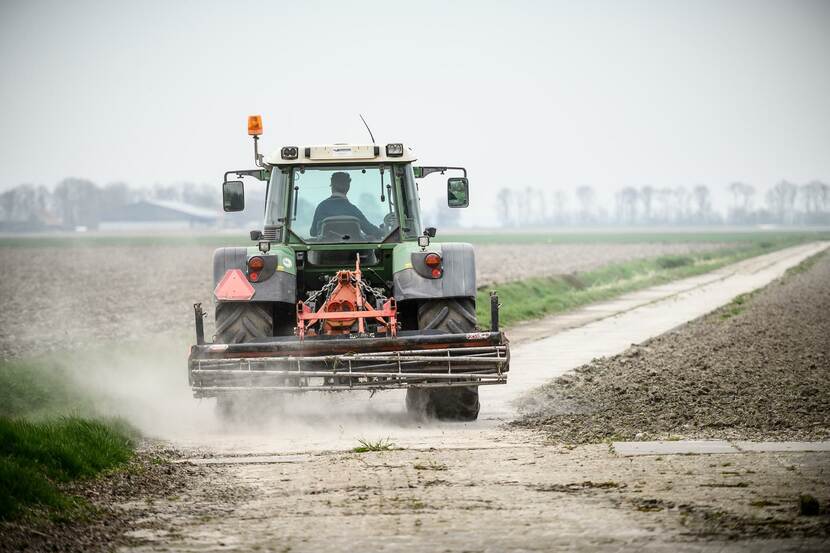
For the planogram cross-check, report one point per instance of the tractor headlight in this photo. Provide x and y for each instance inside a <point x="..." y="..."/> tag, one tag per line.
<point x="394" y="150"/>
<point x="289" y="152"/>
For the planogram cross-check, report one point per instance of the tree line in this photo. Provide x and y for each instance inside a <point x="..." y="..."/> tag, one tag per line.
<point x="77" y="203"/>
<point x="785" y="203"/>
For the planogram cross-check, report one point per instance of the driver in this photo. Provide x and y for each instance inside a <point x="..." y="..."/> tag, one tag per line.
<point x="338" y="205"/>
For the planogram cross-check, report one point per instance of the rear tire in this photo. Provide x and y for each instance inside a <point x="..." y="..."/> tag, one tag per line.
<point x="238" y="322"/>
<point x="455" y="315"/>
<point x="458" y="403"/>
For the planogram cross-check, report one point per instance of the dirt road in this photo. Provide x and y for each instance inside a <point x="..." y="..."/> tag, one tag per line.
<point x="291" y="484"/>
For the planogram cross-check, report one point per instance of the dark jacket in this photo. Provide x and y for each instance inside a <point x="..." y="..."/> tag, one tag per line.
<point x="337" y="206"/>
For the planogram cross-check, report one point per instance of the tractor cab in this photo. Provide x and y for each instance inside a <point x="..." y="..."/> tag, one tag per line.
<point x="367" y="198"/>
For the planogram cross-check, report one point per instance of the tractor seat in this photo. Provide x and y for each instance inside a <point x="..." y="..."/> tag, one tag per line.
<point x="336" y="228"/>
<point x="333" y="229"/>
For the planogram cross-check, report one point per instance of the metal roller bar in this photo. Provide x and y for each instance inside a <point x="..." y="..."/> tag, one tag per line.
<point x="335" y="387"/>
<point x="344" y="374"/>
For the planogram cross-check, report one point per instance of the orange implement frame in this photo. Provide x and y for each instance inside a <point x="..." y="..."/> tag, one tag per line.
<point x="344" y="307"/>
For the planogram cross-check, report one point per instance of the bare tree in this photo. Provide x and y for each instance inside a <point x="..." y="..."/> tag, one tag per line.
<point x="664" y="200"/>
<point x="540" y="201"/>
<point x="781" y="201"/>
<point x="824" y="196"/>
<point x="646" y="198"/>
<point x="78" y="202"/>
<point x="627" y="205"/>
<point x="810" y="196"/>
<point x="560" y="207"/>
<point x="585" y="195"/>
<point x="504" y="204"/>
<point x="682" y="200"/>
<point x="702" y="202"/>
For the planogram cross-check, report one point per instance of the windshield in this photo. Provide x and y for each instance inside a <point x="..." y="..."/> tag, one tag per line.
<point x="343" y="204"/>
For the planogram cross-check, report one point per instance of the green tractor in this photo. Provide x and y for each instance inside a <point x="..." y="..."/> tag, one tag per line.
<point x="344" y="289"/>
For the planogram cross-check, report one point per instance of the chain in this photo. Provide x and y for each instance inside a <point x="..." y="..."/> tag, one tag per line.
<point x="327" y="289"/>
<point x="377" y="293"/>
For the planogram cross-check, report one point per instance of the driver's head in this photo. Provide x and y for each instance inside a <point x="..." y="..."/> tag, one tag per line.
<point x="340" y="182"/>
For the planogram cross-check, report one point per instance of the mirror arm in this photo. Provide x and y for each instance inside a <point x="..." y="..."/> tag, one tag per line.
<point x="259" y="174"/>
<point x="429" y="170"/>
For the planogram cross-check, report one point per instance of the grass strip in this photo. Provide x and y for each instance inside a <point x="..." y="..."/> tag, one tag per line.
<point x="534" y="298"/>
<point x="45" y="444"/>
<point x="35" y="457"/>
<point x="628" y="236"/>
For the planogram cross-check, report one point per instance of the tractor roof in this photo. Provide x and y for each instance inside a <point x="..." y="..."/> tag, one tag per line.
<point x="328" y="154"/>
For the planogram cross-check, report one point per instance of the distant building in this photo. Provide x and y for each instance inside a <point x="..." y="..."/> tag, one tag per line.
<point x="158" y="215"/>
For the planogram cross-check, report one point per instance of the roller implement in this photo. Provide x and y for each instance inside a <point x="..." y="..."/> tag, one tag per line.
<point x="344" y="290"/>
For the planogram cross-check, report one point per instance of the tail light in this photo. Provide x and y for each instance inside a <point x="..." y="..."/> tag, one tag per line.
<point x="256" y="264"/>
<point x="432" y="260"/>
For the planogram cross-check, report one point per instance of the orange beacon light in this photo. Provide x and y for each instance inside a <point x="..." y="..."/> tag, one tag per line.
<point x="254" y="125"/>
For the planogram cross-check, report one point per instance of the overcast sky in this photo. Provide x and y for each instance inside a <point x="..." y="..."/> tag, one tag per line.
<point x="553" y="94"/>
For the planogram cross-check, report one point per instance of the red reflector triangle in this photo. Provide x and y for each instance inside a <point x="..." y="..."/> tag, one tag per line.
<point x="234" y="287"/>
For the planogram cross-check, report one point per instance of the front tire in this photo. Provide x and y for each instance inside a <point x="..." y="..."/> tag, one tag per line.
<point x="459" y="403"/>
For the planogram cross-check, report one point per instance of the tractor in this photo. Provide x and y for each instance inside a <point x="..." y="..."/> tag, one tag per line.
<point x="343" y="289"/>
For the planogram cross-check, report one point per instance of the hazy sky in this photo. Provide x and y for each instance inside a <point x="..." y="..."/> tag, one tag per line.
<point x="523" y="93"/>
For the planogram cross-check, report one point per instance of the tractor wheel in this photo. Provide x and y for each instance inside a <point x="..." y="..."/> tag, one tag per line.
<point x="457" y="403"/>
<point x="238" y="322"/>
<point x="456" y="315"/>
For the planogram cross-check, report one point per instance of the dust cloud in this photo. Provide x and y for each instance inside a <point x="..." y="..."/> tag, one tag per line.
<point x="147" y="386"/>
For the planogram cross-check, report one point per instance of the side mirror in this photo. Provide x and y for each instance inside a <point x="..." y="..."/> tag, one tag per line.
<point x="233" y="195"/>
<point x="256" y="235"/>
<point x="458" y="192"/>
<point x="430" y="231"/>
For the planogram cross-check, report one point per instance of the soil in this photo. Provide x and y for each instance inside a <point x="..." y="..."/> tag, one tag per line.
<point x="57" y="299"/>
<point x="758" y="368"/>
<point x="526" y="498"/>
<point x="100" y="522"/>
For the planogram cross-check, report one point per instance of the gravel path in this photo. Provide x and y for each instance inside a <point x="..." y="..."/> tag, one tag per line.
<point x="757" y="368"/>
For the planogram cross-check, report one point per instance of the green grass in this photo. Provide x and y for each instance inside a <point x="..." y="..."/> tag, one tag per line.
<point x="35" y="457"/>
<point x="736" y="306"/>
<point x="627" y="236"/>
<point x="538" y="297"/>
<point x="43" y="445"/>
<point x="383" y="444"/>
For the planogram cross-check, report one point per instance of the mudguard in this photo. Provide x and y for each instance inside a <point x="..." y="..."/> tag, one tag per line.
<point x="280" y="286"/>
<point x="458" y="279"/>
